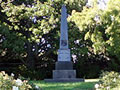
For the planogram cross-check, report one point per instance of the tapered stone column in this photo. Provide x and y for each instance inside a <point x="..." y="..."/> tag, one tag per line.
<point x="64" y="58"/>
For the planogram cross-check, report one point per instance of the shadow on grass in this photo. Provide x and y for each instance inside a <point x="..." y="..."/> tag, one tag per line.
<point x="65" y="86"/>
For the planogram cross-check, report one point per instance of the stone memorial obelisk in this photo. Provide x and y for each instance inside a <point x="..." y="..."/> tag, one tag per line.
<point x="64" y="67"/>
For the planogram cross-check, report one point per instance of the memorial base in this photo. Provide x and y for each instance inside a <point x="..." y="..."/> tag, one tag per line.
<point x="64" y="76"/>
<point x="64" y="65"/>
<point x="64" y="73"/>
<point x="58" y="74"/>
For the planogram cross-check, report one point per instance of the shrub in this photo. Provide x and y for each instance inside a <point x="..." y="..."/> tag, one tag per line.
<point x="108" y="81"/>
<point x="34" y="74"/>
<point x="10" y="83"/>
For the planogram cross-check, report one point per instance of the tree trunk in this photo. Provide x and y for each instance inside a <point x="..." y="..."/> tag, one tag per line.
<point x="30" y="56"/>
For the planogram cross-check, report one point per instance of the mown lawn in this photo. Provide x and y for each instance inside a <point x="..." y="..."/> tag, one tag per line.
<point x="87" y="85"/>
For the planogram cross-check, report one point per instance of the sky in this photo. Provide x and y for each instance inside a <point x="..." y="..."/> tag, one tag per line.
<point x="101" y="3"/>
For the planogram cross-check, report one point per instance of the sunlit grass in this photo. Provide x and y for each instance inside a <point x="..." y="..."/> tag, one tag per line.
<point x="87" y="85"/>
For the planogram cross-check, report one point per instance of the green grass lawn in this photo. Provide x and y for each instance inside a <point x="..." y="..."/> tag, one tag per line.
<point x="87" y="85"/>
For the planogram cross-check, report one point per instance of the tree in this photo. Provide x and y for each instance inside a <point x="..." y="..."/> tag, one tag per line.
<point x="101" y="27"/>
<point x="31" y="28"/>
<point x="29" y="22"/>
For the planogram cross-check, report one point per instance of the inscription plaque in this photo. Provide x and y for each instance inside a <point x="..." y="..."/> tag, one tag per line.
<point x="64" y="55"/>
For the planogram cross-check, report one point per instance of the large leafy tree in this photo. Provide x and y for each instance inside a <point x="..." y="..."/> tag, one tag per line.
<point x="101" y="27"/>
<point x="28" y="21"/>
<point x="30" y="29"/>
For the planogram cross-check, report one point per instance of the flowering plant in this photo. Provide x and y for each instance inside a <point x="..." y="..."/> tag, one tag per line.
<point x="9" y="83"/>
<point x="108" y="81"/>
